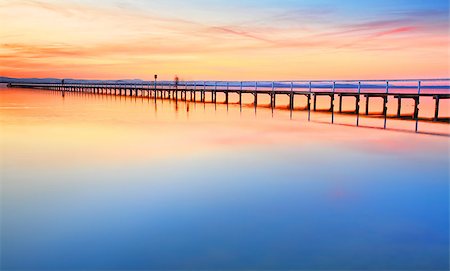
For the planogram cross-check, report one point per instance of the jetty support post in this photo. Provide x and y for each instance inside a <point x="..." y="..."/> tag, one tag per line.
<point x="332" y="102"/>
<point x="62" y="88"/>
<point x="204" y="92"/>
<point x="367" y="104"/>
<point x="416" y="106"/>
<point x="358" y="99"/>
<point x="291" y="100"/>
<point x="154" y="93"/>
<point x="399" y="106"/>
<point x="240" y="97"/>
<point x="155" y="81"/>
<point x="385" y="100"/>
<point x="436" y="109"/>
<point x="315" y="102"/>
<point x="256" y="95"/>
<point x="309" y="100"/>
<point x="272" y="97"/>
<point x="226" y="94"/>
<point x="215" y="92"/>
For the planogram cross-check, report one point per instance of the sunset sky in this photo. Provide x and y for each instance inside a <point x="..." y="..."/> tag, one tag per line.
<point x="232" y="40"/>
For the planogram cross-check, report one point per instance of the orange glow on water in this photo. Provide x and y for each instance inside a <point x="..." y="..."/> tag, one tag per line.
<point x="42" y="127"/>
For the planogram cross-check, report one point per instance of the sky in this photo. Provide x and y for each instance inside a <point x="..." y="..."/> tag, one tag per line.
<point x="225" y="40"/>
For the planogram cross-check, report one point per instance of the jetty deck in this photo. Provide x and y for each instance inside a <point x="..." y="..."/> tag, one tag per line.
<point x="413" y="89"/>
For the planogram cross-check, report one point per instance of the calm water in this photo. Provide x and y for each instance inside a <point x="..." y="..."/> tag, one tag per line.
<point x="100" y="182"/>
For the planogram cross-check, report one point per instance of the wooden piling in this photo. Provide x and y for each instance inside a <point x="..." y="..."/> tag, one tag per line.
<point x="358" y="99"/>
<point x="367" y="104"/>
<point x="309" y="99"/>
<point x="385" y="100"/>
<point x="332" y="107"/>
<point x="416" y="105"/>
<point x="315" y="102"/>
<point x="256" y="96"/>
<point x="240" y="99"/>
<point x="436" y="109"/>
<point x="291" y="104"/>
<point x="416" y="108"/>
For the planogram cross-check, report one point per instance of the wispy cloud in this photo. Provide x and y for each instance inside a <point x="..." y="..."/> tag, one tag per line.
<point x="131" y="32"/>
<point x="234" y="32"/>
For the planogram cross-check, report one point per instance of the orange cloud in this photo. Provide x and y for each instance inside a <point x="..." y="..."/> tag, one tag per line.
<point x="72" y="40"/>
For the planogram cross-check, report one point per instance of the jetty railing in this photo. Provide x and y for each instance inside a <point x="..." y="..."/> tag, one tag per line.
<point x="400" y="89"/>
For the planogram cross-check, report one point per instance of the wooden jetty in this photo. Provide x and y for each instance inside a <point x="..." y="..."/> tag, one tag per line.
<point x="401" y="90"/>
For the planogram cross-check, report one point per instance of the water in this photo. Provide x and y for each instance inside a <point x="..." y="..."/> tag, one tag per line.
<point x="95" y="182"/>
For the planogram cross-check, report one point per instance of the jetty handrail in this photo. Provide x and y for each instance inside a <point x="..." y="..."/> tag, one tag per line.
<point x="392" y="86"/>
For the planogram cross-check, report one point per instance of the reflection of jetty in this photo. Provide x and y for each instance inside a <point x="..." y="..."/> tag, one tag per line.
<point x="384" y="89"/>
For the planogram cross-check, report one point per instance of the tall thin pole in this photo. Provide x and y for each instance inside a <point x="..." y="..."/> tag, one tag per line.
<point x="309" y="101"/>
<point x="215" y="95"/>
<point x="195" y="90"/>
<point x="204" y="92"/>
<point x="332" y="102"/>
<point x="291" y="102"/>
<point x="226" y="95"/>
<point x="416" y="109"/>
<point x="156" y="77"/>
<point x="62" y="88"/>
<point x="240" y="97"/>
<point x="256" y="95"/>
<point x="357" y="103"/>
<point x="272" y="100"/>
<point x="385" y="104"/>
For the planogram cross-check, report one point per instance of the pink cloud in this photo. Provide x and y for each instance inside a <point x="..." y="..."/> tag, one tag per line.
<point x="395" y="31"/>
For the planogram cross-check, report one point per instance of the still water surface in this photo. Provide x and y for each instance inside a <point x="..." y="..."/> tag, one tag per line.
<point x="100" y="182"/>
